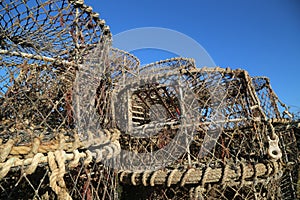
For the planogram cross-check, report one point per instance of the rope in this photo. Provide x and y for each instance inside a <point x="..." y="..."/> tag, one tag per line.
<point x="289" y="124"/>
<point x="170" y="178"/>
<point x="95" y="15"/>
<point x="171" y="64"/>
<point x="9" y="149"/>
<point x="6" y="149"/>
<point x="226" y="174"/>
<point x="30" y="164"/>
<point x="56" y="175"/>
<point x="185" y="176"/>
<point x="196" y="192"/>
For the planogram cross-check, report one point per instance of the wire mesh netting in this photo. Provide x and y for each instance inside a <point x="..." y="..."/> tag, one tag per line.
<point x="227" y="155"/>
<point x="82" y="120"/>
<point x="43" y="45"/>
<point x="269" y="101"/>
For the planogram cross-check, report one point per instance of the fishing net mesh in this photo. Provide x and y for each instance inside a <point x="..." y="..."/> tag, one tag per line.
<point x="43" y="154"/>
<point x="82" y="120"/>
<point x="228" y="152"/>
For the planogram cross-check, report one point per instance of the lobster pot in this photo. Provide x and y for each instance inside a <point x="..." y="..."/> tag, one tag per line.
<point x="48" y="49"/>
<point x="147" y="106"/>
<point x="42" y="46"/>
<point x="214" y="109"/>
<point x="213" y="119"/>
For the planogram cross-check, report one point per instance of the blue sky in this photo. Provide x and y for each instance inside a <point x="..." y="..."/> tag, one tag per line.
<point x="262" y="37"/>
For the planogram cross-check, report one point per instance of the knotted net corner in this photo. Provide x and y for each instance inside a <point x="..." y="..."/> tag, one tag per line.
<point x="44" y="154"/>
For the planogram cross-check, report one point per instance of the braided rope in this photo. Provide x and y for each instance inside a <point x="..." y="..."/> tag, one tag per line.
<point x="39" y="57"/>
<point x="201" y="176"/>
<point x="173" y="63"/>
<point x="95" y="15"/>
<point x="58" y="170"/>
<point x="9" y="148"/>
<point x="30" y="164"/>
<point x="176" y="59"/>
<point x="289" y="124"/>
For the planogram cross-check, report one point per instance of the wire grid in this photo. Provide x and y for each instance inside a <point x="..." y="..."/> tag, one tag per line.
<point x="154" y="192"/>
<point x="271" y="105"/>
<point x="274" y="110"/>
<point x="123" y="65"/>
<point x="82" y="182"/>
<point x="36" y="81"/>
<point x="290" y="150"/>
<point x="147" y="92"/>
<point x="297" y="134"/>
<point x="224" y="103"/>
<point x="43" y="44"/>
<point x="231" y="130"/>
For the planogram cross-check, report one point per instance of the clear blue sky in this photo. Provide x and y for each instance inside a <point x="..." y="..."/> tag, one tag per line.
<point x="262" y="37"/>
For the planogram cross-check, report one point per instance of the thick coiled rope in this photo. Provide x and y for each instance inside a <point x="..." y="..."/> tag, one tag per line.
<point x="228" y="174"/>
<point x="32" y="160"/>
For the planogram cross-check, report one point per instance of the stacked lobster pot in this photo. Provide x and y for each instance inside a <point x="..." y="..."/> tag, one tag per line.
<point x="82" y="120"/>
<point x="53" y="57"/>
<point x="204" y="133"/>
